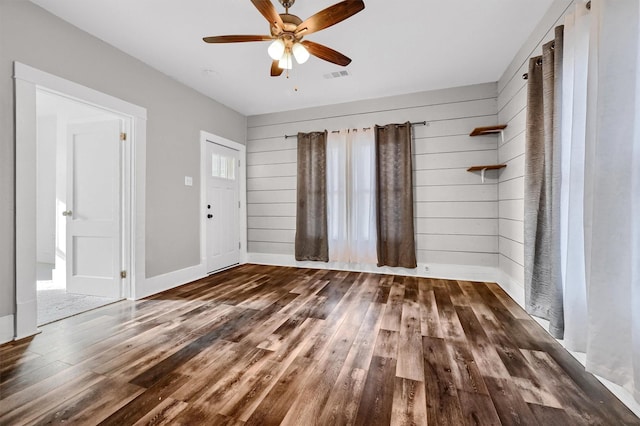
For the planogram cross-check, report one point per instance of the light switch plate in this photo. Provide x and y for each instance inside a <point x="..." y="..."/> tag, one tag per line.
<point x="188" y="181"/>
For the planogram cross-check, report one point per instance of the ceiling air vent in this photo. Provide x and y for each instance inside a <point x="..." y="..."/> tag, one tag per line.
<point x="336" y="74"/>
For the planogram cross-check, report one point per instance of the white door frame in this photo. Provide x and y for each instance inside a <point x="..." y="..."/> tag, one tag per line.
<point x="27" y="81"/>
<point x="205" y="138"/>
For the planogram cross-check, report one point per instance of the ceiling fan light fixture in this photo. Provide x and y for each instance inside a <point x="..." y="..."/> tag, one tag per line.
<point x="276" y="49"/>
<point x="285" y="61"/>
<point x="300" y="53"/>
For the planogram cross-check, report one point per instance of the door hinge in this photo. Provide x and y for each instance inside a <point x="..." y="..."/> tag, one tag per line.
<point x="123" y="136"/>
<point x="239" y="245"/>
<point x="123" y="274"/>
<point x="238" y="204"/>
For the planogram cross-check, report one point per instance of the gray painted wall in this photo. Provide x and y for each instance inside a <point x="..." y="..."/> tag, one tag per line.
<point x="512" y="110"/>
<point x="456" y="215"/>
<point x="176" y="114"/>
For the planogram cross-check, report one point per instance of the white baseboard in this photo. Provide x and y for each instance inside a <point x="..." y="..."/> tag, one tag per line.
<point x="443" y="271"/>
<point x="6" y="328"/>
<point x="512" y="287"/>
<point x="167" y="281"/>
<point x="27" y="318"/>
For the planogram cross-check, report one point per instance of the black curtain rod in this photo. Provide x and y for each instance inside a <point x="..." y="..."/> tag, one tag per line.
<point x="525" y="76"/>
<point x="417" y="123"/>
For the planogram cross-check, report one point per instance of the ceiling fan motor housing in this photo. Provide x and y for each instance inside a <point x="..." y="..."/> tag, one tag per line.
<point x="287" y="34"/>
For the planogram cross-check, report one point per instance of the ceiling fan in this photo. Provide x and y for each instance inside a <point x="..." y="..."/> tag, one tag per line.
<point x="288" y="30"/>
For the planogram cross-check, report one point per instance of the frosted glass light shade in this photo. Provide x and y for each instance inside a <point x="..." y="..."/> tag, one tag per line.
<point x="276" y="49"/>
<point x="285" y="62"/>
<point x="300" y="52"/>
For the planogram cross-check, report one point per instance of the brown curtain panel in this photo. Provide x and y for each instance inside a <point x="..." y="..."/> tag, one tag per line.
<point x="543" y="284"/>
<point x="311" y="214"/>
<point x="394" y="196"/>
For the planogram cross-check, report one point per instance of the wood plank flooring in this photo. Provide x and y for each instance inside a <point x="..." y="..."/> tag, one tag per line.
<point x="263" y="345"/>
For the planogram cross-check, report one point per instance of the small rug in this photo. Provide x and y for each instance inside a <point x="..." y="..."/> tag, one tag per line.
<point x="55" y="303"/>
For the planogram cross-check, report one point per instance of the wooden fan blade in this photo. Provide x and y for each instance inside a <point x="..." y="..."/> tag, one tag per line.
<point x="237" y="38"/>
<point x="267" y="10"/>
<point x="275" y="69"/>
<point x="330" y="16"/>
<point x="326" y="53"/>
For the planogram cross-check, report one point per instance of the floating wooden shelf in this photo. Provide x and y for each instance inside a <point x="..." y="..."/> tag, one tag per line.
<point x="488" y="167"/>
<point x="483" y="169"/>
<point x="488" y="130"/>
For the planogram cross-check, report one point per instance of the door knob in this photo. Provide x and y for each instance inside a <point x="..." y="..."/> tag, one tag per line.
<point x="67" y="213"/>
<point x="209" y="216"/>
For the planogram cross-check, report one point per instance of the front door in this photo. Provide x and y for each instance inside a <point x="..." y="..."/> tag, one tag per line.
<point x="94" y="208"/>
<point x="222" y="209"/>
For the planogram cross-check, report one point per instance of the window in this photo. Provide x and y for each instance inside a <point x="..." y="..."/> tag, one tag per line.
<point x="223" y="167"/>
<point x="351" y="213"/>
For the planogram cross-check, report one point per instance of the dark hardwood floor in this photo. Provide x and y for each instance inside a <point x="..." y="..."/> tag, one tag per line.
<point x="262" y="345"/>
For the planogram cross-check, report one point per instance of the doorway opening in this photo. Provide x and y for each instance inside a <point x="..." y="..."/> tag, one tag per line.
<point x="27" y="80"/>
<point x="79" y="209"/>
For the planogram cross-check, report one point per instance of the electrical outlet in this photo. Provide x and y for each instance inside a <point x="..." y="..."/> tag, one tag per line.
<point x="188" y="181"/>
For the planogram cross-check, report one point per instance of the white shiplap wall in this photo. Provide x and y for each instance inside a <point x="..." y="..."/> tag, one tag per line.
<point x="512" y="110"/>
<point x="456" y="215"/>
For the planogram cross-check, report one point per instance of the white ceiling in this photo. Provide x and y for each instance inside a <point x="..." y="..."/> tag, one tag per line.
<point x="397" y="47"/>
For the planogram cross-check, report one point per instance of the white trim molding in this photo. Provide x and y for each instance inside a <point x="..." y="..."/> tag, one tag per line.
<point x="27" y="81"/>
<point x="76" y="91"/>
<point x="169" y="280"/>
<point x="513" y="288"/>
<point x="26" y="297"/>
<point x="6" y="328"/>
<point x="440" y="271"/>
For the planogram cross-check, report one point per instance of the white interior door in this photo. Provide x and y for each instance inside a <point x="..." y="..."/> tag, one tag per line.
<point x="222" y="208"/>
<point x="94" y="208"/>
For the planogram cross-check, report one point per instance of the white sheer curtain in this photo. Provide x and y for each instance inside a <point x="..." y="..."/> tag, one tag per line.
<point x="337" y="201"/>
<point x="601" y="193"/>
<point x="351" y="196"/>
<point x="574" y="125"/>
